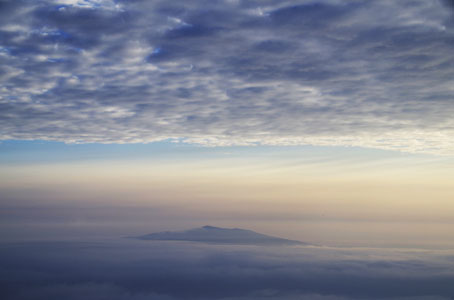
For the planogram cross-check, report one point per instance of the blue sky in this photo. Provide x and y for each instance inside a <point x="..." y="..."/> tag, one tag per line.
<point x="20" y="151"/>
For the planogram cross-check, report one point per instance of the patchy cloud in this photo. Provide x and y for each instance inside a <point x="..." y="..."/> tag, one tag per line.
<point x="365" y="73"/>
<point x="129" y="269"/>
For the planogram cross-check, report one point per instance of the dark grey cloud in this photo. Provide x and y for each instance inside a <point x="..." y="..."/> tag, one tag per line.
<point x="129" y="269"/>
<point x="364" y="73"/>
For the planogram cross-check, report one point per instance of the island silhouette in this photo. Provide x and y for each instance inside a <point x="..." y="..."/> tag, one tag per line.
<point x="218" y="235"/>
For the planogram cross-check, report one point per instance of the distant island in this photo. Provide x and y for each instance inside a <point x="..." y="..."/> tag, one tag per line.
<point x="218" y="235"/>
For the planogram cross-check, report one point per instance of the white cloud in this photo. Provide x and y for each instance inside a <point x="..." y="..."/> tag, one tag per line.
<point x="368" y="74"/>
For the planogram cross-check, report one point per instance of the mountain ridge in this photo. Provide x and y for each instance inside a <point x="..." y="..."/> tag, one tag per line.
<point x="219" y="235"/>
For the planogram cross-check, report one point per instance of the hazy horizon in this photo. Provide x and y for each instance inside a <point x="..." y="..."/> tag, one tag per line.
<point x="321" y="194"/>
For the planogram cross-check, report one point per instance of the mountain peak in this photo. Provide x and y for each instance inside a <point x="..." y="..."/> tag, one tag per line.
<point x="219" y="235"/>
<point x="210" y="227"/>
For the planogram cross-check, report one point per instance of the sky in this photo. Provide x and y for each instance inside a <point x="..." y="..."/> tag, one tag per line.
<point x="325" y="195"/>
<point x="328" y="122"/>
<point x="260" y="112"/>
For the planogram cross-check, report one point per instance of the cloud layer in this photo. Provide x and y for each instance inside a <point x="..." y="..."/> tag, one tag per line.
<point x="364" y="73"/>
<point x="129" y="269"/>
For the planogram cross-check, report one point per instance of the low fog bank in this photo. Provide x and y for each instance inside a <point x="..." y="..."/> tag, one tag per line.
<point x="133" y="269"/>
